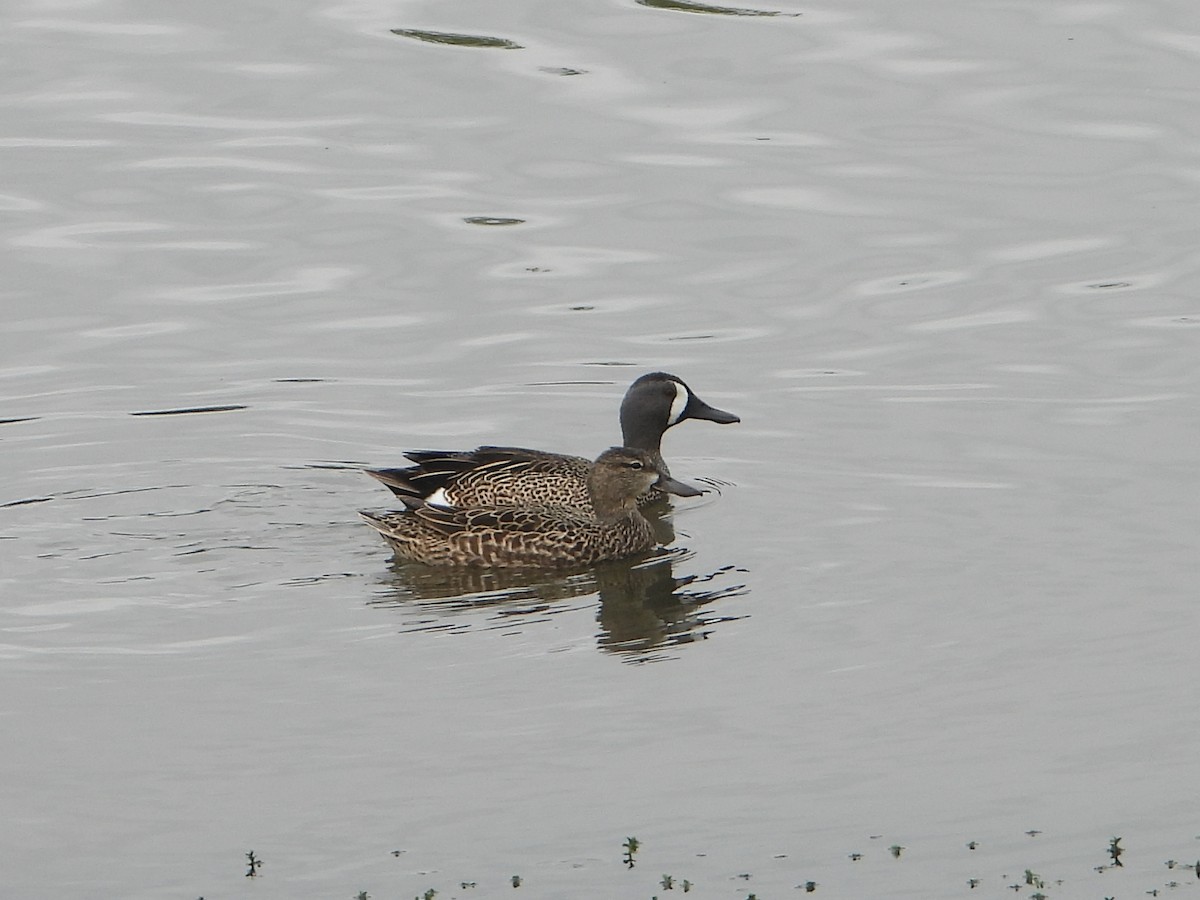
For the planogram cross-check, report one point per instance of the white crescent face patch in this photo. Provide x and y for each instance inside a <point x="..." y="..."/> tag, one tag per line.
<point x="679" y="404"/>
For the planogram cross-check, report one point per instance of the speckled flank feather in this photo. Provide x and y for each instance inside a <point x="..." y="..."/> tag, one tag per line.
<point x="506" y="536"/>
<point x="609" y="526"/>
<point x="502" y="476"/>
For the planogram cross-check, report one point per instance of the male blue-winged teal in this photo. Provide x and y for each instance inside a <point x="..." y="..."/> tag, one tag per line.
<point x="504" y="476"/>
<point x="536" y="535"/>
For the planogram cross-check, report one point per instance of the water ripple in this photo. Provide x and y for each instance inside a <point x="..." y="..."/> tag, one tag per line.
<point x="456" y="39"/>
<point x="224" y="123"/>
<point x="569" y="262"/>
<point x="76" y="26"/>
<point x="1124" y="283"/>
<point x="907" y="283"/>
<point x="693" y="6"/>
<point x="42" y="143"/>
<point x="711" y="335"/>
<point x="810" y="199"/>
<point x="13" y="203"/>
<point x="305" y="281"/>
<point x="388" y="192"/>
<point x="976" y="320"/>
<point x="137" y="330"/>
<point x="69" y="236"/>
<point x="1049" y="249"/>
<point x="222" y="162"/>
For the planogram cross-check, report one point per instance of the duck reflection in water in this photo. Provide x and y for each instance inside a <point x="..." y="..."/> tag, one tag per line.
<point x="644" y="607"/>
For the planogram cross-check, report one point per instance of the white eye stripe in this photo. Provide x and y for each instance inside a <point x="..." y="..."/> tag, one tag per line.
<point x="679" y="404"/>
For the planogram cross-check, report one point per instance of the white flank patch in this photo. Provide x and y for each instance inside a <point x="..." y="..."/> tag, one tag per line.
<point x="679" y="404"/>
<point x="439" y="498"/>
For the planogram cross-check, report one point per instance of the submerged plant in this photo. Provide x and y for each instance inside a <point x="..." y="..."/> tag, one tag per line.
<point x="254" y="864"/>
<point x="1115" y="850"/>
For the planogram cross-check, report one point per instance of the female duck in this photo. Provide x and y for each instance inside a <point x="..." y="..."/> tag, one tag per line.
<point x="535" y="536"/>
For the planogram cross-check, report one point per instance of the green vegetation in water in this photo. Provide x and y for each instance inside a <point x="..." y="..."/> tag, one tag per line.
<point x="630" y="846"/>
<point x="1115" y="850"/>
<point x="457" y="40"/>
<point x="254" y="864"/>
<point x="668" y="883"/>
<point x="1171" y="864"/>
<point x="1030" y="883"/>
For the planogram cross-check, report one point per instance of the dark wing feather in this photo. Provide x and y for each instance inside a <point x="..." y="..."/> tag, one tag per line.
<point x="488" y="476"/>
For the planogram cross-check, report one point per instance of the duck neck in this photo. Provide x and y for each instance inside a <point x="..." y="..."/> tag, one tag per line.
<point x="638" y="434"/>
<point x="609" y="503"/>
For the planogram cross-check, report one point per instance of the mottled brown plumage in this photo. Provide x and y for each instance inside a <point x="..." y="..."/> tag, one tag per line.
<point x="507" y="476"/>
<point x="490" y="476"/>
<point x="550" y="535"/>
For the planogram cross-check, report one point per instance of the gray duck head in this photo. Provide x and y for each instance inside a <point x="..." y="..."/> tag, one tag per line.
<point x="657" y="401"/>
<point x="654" y="403"/>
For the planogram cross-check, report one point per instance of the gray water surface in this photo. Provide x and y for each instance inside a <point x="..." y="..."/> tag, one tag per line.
<point x="940" y="257"/>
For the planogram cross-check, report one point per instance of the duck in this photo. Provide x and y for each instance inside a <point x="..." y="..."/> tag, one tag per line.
<point x="536" y="535"/>
<point x="505" y="476"/>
